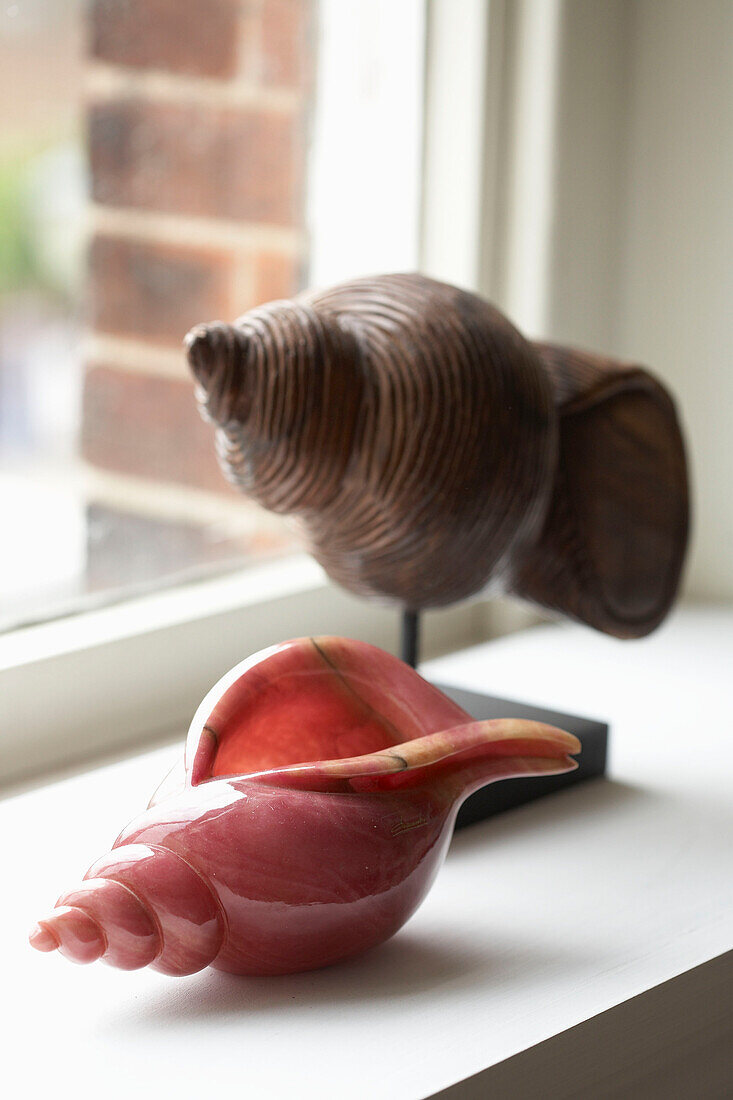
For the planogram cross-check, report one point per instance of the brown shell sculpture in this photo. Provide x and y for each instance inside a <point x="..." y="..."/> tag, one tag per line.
<point x="428" y="450"/>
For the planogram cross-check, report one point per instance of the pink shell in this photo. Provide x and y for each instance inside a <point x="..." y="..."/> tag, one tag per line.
<point x="311" y="812"/>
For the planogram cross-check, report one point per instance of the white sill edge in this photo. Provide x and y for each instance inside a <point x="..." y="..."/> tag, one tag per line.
<point x="170" y="607"/>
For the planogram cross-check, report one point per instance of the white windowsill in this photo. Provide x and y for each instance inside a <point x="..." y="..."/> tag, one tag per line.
<point x="541" y="919"/>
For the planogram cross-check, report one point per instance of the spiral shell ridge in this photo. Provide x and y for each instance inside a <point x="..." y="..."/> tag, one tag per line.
<point x="140" y="905"/>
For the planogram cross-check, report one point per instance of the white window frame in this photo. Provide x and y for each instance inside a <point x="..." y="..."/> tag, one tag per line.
<point x="116" y="678"/>
<point x="101" y="682"/>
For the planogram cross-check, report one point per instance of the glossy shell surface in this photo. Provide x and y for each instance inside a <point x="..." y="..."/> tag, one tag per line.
<point x="305" y="824"/>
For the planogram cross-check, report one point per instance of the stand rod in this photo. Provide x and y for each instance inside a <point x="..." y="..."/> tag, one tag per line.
<point x="410" y="637"/>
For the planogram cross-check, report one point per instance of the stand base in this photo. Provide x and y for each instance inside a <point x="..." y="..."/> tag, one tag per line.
<point x="498" y="797"/>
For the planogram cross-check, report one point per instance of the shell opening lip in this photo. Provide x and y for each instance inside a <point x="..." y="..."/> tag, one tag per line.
<point x="329" y="711"/>
<point x="294" y="706"/>
<point x="498" y="748"/>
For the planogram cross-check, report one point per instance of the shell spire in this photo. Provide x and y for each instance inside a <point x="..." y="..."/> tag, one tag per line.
<point x="141" y="905"/>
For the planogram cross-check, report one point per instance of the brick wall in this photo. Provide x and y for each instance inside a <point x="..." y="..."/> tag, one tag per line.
<point x="197" y="127"/>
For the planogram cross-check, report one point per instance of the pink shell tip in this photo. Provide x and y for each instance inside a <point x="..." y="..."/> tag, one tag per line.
<point x="42" y="939"/>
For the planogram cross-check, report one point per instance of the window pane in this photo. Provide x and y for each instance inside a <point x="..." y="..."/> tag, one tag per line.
<point x="162" y="163"/>
<point x="152" y="167"/>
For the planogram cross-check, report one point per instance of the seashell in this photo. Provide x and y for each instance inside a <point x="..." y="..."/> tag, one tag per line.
<point x="308" y="818"/>
<point x="427" y="449"/>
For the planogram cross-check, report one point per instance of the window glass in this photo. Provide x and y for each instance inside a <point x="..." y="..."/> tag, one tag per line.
<point x="162" y="163"/>
<point x="152" y="158"/>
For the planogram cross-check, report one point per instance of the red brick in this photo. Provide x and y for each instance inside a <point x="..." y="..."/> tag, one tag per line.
<point x="195" y="159"/>
<point x="286" y="42"/>
<point x="180" y="36"/>
<point x="155" y="291"/>
<point x="149" y="427"/>
<point x="275" y="276"/>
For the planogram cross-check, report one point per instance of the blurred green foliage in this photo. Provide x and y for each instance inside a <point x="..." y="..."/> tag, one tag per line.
<point x="17" y="268"/>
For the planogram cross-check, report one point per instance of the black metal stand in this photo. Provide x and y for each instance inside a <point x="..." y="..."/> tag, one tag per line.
<point x="498" y="797"/>
<point x="410" y="637"/>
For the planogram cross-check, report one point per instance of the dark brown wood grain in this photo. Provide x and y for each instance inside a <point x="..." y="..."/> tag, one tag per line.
<point x="428" y="450"/>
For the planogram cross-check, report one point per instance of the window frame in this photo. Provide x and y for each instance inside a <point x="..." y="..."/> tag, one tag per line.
<point x="131" y="674"/>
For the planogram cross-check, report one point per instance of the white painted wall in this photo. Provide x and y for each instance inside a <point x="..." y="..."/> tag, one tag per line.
<point x="676" y="272"/>
<point x="634" y="251"/>
<point x="589" y="172"/>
